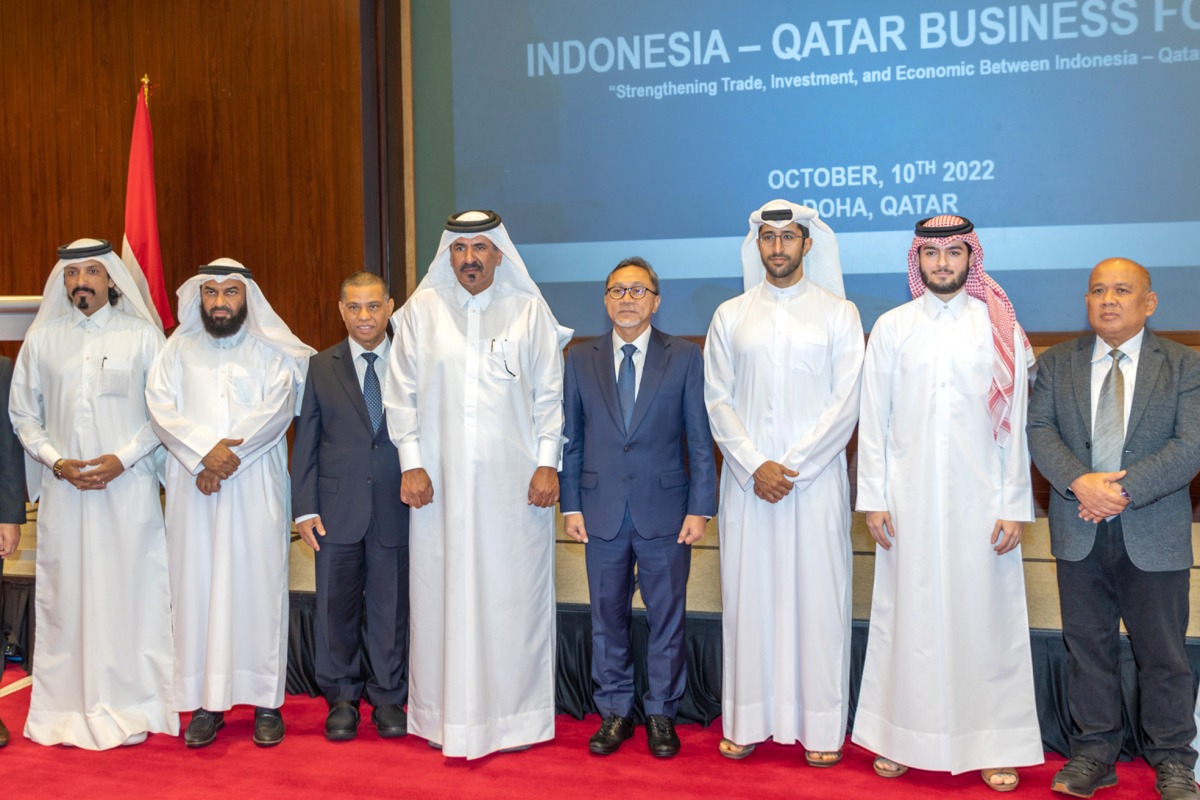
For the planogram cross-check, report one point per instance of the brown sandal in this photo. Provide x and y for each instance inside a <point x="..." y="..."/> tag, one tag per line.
<point x="989" y="774"/>
<point x="737" y="752"/>
<point x="822" y="758"/>
<point x="886" y="768"/>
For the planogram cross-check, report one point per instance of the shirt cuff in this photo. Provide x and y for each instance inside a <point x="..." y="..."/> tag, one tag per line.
<point x="549" y="451"/>
<point x="410" y="456"/>
<point x="569" y="513"/>
<point x="303" y="517"/>
<point x="48" y="454"/>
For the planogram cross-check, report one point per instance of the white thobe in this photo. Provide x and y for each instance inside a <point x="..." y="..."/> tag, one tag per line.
<point x="782" y="370"/>
<point x="228" y="551"/>
<point x="474" y="396"/>
<point x="103" y="664"/>
<point x="948" y="679"/>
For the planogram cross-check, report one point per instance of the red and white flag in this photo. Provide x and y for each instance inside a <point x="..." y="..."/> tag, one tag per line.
<point x="140" y="250"/>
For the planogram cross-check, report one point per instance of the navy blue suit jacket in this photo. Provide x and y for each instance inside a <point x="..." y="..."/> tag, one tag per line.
<point x="664" y="468"/>
<point x="340" y="468"/>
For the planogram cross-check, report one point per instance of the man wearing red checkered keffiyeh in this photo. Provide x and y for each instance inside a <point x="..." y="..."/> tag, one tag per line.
<point x="940" y="231"/>
<point x="943" y="478"/>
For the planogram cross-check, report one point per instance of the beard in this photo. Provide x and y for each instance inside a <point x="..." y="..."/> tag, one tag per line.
<point x="783" y="270"/>
<point x="82" y="295"/>
<point x="220" y="327"/>
<point x="948" y="286"/>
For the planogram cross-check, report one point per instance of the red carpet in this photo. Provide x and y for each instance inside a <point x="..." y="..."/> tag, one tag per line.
<point x="305" y="765"/>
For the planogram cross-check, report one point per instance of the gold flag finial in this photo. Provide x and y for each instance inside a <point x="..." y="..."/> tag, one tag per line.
<point x="146" y="88"/>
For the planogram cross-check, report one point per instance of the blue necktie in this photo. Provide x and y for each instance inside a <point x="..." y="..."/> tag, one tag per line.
<point x="371" y="393"/>
<point x="625" y="384"/>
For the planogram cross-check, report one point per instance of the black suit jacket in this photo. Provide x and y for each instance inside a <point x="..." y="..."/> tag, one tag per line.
<point x="340" y="468"/>
<point x="12" y="458"/>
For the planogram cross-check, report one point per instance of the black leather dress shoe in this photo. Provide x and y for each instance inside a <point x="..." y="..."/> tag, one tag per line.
<point x="3" y="734"/>
<point x="613" y="731"/>
<point x="1176" y="781"/>
<point x="1082" y="776"/>
<point x="660" y="735"/>
<point x="268" y="727"/>
<point x="341" y="723"/>
<point x="202" y="730"/>
<point x="390" y="720"/>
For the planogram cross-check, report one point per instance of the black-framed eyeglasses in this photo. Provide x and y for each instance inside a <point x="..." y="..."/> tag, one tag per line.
<point x="788" y="238"/>
<point x="636" y="292"/>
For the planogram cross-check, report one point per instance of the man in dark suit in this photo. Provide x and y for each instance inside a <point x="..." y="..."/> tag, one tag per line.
<point x="346" y="501"/>
<point x="12" y="487"/>
<point x="639" y="469"/>
<point x="1114" y="426"/>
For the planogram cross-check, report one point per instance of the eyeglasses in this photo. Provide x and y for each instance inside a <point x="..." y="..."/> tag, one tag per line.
<point x="788" y="238"/>
<point x="636" y="292"/>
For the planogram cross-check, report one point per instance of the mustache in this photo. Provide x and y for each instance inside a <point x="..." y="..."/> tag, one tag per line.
<point x="83" y="289"/>
<point x="472" y="265"/>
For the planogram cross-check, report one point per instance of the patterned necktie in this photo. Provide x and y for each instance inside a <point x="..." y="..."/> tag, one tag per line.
<point x="1109" y="438"/>
<point x="625" y="384"/>
<point x="371" y="393"/>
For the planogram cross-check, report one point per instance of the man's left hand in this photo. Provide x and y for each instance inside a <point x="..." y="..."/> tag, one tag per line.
<point x="543" y="487"/>
<point x="208" y="482"/>
<point x="692" y="530"/>
<point x="1006" y="535"/>
<point x="99" y="472"/>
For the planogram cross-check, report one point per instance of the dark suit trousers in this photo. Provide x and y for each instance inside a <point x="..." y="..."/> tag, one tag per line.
<point x="1094" y="595"/>
<point x="662" y="569"/>
<point x="354" y="580"/>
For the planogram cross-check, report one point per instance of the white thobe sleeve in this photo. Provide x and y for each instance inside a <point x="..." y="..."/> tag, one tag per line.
<point x="25" y="406"/>
<point x="828" y="436"/>
<point x="728" y="432"/>
<point x="1016" y="502"/>
<point x="262" y="429"/>
<point x="145" y="441"/>
<point x="875" y="418"/>
<point x="400" y="390"/>
<point x="547" y="380"/>
<point x="187" y="440"/>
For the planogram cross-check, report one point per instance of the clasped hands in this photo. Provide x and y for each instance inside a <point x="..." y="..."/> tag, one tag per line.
<point x="1100" y="495"/>
<point x="95" y="474"/>
<point x="771" y="481"/>
<point x="219" y="464"/>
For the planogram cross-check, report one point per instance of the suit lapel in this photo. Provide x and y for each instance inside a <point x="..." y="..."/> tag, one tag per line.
<point x="348" y="377"/>
<point x="657" y="354"/>
<point x="606" y="377"/>
<point x="1149" y="363"/>
<point x="1081" y="377"/>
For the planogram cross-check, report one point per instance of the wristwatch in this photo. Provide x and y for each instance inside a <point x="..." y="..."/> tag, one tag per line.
<point x="57" y="468"/>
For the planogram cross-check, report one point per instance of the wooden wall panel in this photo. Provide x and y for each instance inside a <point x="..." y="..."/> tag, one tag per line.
<point x="257" y="129"/>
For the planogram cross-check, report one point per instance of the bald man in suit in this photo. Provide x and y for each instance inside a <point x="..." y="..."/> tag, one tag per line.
<point x="1114" y="426"/>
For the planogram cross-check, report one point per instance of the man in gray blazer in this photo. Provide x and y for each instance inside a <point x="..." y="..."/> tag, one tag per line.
<point x="1114" y="426"/>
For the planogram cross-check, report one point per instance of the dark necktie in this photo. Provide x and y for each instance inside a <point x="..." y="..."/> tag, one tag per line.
<point x="371" y="393"/>
<point x="1110" y="419"/>
<point x="626" y="382"/>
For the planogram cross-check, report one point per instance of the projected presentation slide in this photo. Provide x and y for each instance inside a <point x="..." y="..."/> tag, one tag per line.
<point x="1067" y="131"/>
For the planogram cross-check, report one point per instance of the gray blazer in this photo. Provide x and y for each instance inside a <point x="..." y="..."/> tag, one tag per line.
<point x="1162" y="449"/>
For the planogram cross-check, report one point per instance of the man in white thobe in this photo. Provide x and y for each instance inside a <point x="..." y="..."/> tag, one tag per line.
<point x="474" y="405"/>
<point x="943" y="476"/>
<point x="221" y="397"/>
<point x="102" y="672"/>
<point x="782" y="367"/>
